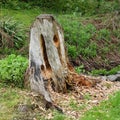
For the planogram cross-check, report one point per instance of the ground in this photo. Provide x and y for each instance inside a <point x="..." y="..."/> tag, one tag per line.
<point x="20" y="104"/>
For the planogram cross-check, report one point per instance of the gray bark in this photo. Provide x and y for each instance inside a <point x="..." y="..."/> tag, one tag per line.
<point x="47" y="59"/>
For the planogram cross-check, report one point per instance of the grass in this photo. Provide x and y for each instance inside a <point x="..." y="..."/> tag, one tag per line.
<point x="8" y="99"/>
<point x="106" y="72"/>
<point x="107" y="110"/>
<point x="24" y="16"/>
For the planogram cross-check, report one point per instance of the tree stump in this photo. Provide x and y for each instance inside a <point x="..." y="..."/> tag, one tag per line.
<point x="48" y="62"/>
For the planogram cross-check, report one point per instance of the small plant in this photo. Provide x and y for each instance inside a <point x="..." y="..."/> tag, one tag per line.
<point x="12" y="69"/>
<point x="75" y="106"/>
<point x="80" y="69"/>
<point x="87" y="96"/>
<point x="72" y="51"/>
<point x="103" y="34"/>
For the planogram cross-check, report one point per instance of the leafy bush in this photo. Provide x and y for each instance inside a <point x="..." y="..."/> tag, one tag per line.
<point x="59" y="116"/>
<point x="72" y="51"/>
<point x="78" y="38"/>
<point x="12" y="69"/>
<point x="14" y="34"/>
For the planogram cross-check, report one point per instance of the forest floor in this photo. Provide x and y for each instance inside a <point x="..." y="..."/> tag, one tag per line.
<point x="17" y="104"/>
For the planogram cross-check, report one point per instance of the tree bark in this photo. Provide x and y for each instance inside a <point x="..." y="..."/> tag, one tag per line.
<point x="48" y="62"/>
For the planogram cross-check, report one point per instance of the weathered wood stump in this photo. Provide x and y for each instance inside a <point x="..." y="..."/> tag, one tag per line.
<point x="48" y="62"/>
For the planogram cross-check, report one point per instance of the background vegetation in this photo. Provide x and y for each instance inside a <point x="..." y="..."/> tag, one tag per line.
<point x="91" y="30"/>
<point x="12" y="70"/>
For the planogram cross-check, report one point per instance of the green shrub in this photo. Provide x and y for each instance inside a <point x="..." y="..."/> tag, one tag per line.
<point x="72" y="51"/>
<point x="78" y="38"/>
<point x="80" y="69"/>
<point x="12" y="29"/>
<point x="12" y="69"/>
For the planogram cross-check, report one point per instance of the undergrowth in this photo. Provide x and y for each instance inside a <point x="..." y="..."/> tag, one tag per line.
<point x="12" y="69"/>
<point x="12" y="33"/>
<point x="106" y="72"/>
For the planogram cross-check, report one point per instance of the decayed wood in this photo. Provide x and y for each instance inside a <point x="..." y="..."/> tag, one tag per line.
<point x="48" y="64"/>
<point x="47" y="56"/>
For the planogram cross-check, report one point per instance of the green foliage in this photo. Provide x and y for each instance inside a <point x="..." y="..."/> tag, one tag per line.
<point x="78" y="38"/>
<point x="84" y="7"/>
<point x="87" y="96"/>
<point x="14" y="30"/>
<point x="12" y="69"/>
<point x="7" y="51"/>
<point x="8" y="100"/>
<point x="107" y="110"/>
<point x="59" y="116"/>
<point x="75" y="106"/>
<point x="80" y="69"/>
<point x="103" y="34"/>
<point x="106" y="72"/>
<point x="104" y="50"/>
<point x="16" y="4"/>
<point x="108" y="6"/>
<point x="72" y="51"/>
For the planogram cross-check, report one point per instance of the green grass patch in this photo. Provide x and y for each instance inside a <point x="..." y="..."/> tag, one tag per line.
<point x="59" y="116"/>
<point x="24" y="16"/>
<point x="106" y="72"/>
<point x="9" y="98"/>
<point x="107" y="110"/>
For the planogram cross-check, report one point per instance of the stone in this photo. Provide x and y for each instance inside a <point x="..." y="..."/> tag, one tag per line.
<point x="118" y="72"/>
<point x="23" y="108"/>
<point x="118" y="77"/>
<point x="114" y="77"/>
